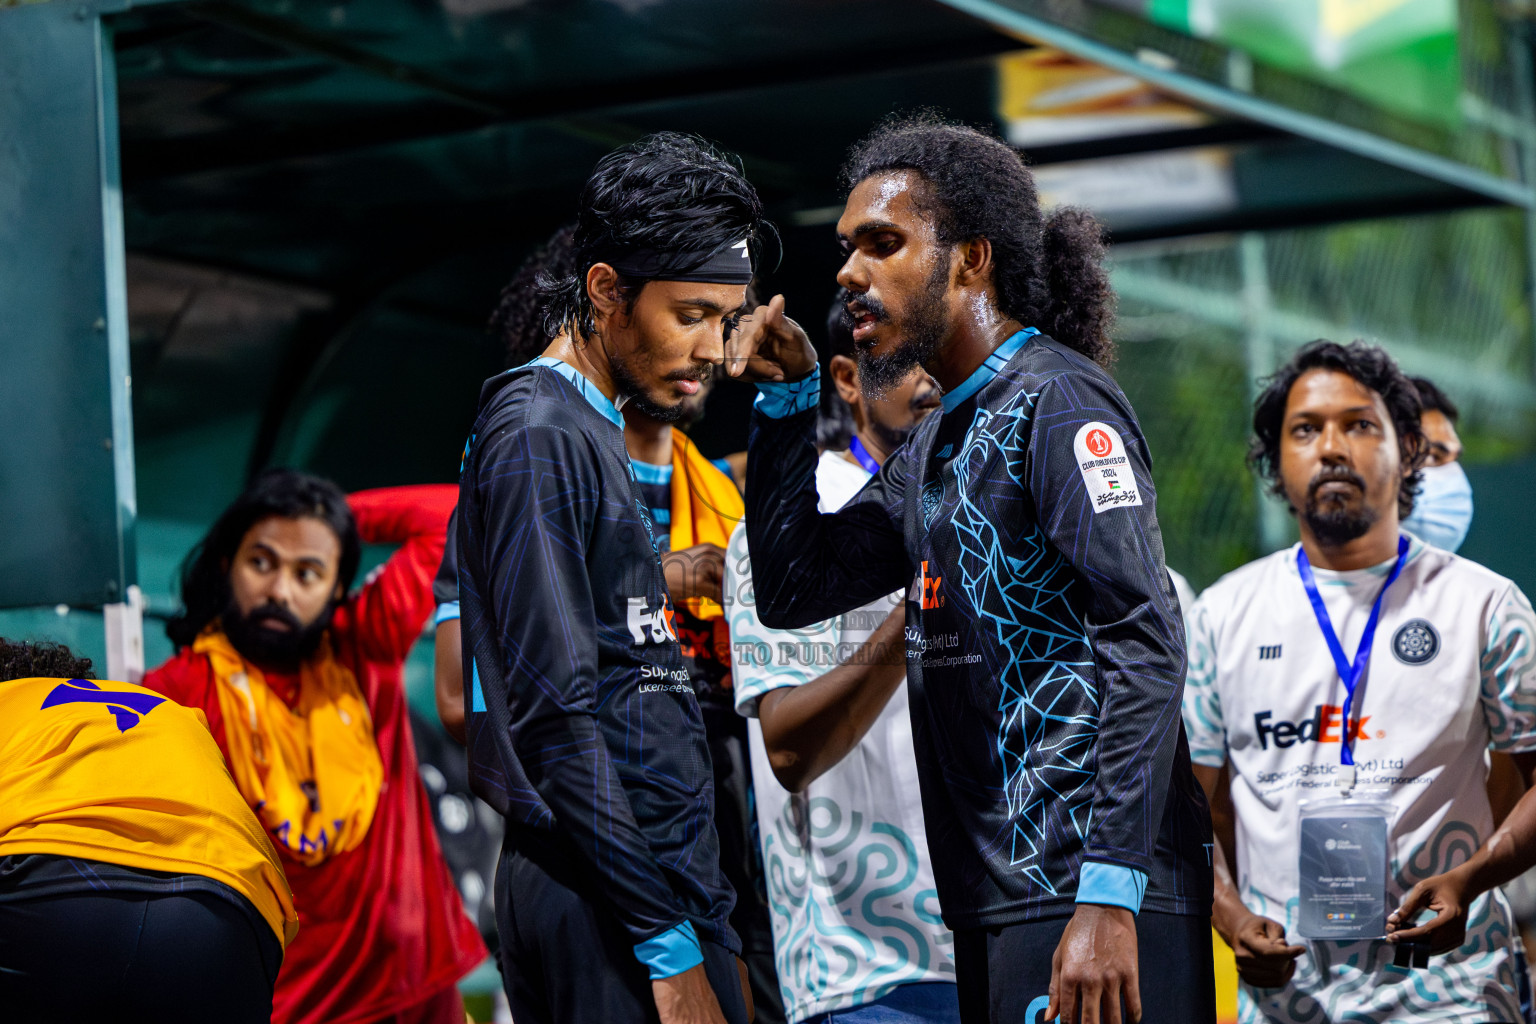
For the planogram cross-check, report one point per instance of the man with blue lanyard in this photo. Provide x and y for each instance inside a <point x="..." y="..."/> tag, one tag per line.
<point x="1363" y="660"/>
<point x="1045" y="654"/>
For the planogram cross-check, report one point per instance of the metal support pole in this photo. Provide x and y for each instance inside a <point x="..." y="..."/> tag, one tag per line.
<point x="66" y="466"/>
<point x="1524" y="74"/>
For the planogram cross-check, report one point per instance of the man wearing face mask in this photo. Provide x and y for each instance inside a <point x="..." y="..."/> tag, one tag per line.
<point x="300" y="682"/>
<point x="1442" y="511"/>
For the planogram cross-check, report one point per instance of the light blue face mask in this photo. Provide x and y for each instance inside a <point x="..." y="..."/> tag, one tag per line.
<point x="1442" y="513"/>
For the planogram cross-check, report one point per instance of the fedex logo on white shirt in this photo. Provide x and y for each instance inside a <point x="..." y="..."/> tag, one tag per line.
<point x="1325" y="726"/>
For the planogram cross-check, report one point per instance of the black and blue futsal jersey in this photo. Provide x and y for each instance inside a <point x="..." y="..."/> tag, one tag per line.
<point x="709" y="668"/>
<point x="655" y="486"/>
<point x="1045" y="650"/>
<point x="584" y="731"/>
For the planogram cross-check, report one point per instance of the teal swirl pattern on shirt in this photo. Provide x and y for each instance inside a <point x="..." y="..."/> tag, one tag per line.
<point x="847" y="923"/>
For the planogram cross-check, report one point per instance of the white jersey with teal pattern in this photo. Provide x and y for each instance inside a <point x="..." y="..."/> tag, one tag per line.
<point x="850" y="884"/>
<point x="1452" y="674"/>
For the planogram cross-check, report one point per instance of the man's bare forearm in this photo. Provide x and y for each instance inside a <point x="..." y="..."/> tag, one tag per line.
<point x="1511" y="850"/>
<point x="448" y="678"/>
<point x="808" y="729"/>
<point x="1227" y="909"/>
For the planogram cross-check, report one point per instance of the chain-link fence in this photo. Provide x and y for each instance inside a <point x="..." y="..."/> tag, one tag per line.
<point x="1201" y="320"/>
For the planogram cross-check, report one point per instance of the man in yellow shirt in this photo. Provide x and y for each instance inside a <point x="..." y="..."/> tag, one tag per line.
<point x="135" y="882"/>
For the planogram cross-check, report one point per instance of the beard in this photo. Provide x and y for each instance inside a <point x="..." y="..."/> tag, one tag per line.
<point x="923" y="331"/>
<point x="890" y="437"/>
<point x="1331" y="518"/>
<point x="253" y="636"/>
<point x="921" y="403"/>
<point x="626" y="383"/>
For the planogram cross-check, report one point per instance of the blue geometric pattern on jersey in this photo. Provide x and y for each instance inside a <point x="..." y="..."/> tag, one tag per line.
<point x="1027" y="593"/>
<point x="128" y="708"/>
<point x="1046" y="756"/>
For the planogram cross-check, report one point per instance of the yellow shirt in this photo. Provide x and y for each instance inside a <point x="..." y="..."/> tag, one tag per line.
<point x="117" y="773"/>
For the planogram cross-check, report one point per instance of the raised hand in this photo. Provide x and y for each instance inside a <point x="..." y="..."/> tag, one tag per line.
<point x="769" y="346"/>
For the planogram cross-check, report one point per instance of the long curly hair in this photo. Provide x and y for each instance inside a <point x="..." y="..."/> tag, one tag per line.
<point x="1048" y="272"/>
<point x="518" y="319"/>
<point x="1374" y="369"/>
<point x="667" y="193"/>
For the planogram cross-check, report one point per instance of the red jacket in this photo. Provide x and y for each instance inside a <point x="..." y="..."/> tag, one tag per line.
<point x="381" y="927"/>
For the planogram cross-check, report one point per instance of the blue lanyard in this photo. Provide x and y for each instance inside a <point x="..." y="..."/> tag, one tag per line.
<point x="1349" y="674"/>
<point x="862" y="454"/>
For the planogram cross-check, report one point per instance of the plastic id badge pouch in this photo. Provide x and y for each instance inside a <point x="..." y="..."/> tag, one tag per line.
<point x="1344" y="866"/>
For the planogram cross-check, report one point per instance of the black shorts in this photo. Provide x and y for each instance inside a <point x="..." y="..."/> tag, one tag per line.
<point x="192" y="956"/>
<point x="565" y="960"/>
<point x="740" y="859"/>
<point x="1004" y="973"/>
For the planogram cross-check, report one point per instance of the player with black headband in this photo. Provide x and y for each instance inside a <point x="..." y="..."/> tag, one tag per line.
<point x="1045" y="650"/>
<point x="584" y="731"/>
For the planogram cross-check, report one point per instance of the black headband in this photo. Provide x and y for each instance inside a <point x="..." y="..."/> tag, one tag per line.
<point x="731" y="264"/>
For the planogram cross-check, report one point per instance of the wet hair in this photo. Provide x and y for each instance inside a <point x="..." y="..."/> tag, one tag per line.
<point x="22" y="660"/>
<point x="1371" y="367"/>
<point x="519" y="316"/>
<point x="285" y="493"/>
<point x="1433" y="399"/>
<point x="668" y="193"/>
<point x="834" y="418"/>
<point x="1048" y="272"/>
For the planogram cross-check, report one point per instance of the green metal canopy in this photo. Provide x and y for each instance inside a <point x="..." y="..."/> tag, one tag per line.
<point x="320" y="201"/>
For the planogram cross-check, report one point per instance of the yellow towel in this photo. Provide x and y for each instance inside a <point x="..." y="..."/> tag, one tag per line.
<point x="311" y="774"/>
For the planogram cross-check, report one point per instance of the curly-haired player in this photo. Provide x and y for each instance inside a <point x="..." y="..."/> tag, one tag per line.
<point x="1045" y="651"/>
<point x="135" y="883"/>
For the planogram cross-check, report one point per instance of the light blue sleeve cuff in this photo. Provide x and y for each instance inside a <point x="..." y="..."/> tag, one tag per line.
<point x="445" y="612"/>
<point x="778" y="400"/>
<point x="672" y="952"/>
<point x="1113" y="885"/>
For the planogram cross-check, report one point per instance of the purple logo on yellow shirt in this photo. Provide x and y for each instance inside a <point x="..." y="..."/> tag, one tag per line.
<point x="127" y="708"/>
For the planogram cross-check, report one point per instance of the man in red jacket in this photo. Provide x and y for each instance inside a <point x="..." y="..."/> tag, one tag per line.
<point x="301" y="686"/>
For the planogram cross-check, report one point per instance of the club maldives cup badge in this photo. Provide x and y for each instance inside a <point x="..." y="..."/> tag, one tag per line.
<point x="1106" y="471"/>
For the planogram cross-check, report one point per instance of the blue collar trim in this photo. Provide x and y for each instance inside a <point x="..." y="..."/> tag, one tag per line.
<point x="990" y="367"/>
<point x="647" y="473"/>
<point x="609" y="411"/>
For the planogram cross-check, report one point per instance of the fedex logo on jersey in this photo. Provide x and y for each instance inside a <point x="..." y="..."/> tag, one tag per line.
<point x="1101" y="459"/>
<point x="931" y="584"/>
<point x="1325" y="726"/>
<point x="650" y="626"/>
